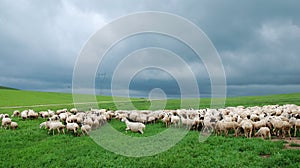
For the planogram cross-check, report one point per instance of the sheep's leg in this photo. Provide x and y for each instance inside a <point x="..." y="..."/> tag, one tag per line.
<point x="289" y="132"/>
<point x="58" y="132"/>
<point x="295" y="131"/>
<point x="269" y="134"/>
<point x="250" y="134"/>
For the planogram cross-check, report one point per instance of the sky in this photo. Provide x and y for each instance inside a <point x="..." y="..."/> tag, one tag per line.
<point x="257" y="41"/>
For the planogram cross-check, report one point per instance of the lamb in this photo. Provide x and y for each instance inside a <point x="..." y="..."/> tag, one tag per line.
<point x="72" y="127"/>
<point x="86" y="129"/>
<point x="264" y="132"/>
<point x="6" y="122"/>
<point x="134" y="126"/>
<point x="13" y="125"/>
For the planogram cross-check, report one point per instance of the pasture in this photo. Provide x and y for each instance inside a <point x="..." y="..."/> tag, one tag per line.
<point x="30" y="146"/>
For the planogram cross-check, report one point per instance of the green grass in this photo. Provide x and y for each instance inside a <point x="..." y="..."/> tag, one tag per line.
<point x="29" y="146"/>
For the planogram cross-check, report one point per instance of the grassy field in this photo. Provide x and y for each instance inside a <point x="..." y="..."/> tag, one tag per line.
<point x="29" y="146"/>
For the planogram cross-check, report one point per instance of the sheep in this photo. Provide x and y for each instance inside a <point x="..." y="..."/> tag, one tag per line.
<point x="175" y="120"/>
<point x="44" y="114"/>
<point x="6" y="122"/>
<point x="95" y="124"/>
<point x="13" y="125"/>
<point x="226" y="126"/>
<point x="284" y="126"/>
<point x="86" y="129"/>
<point x="295" y="123"/>
<point x="133" y="126"/>
<point x="16" y="113"/>
<point x="258" y="124"/>
<point x="73" y="110"/>
<point x="61" y="111"/>
<point x="264" y="132"/>
<point x="56" y="125"/>
<point x="24" y="114"/>
<point x="167" y="120"/>
<point x="32" y="114"/>
<point x="72" y="127"/>
<point x="247" y="127"/>
<point x="55" y="117"/>
<point x="45" y="124"/>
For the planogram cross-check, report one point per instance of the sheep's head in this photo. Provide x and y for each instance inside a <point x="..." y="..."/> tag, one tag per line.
<point x="123" y="119"/>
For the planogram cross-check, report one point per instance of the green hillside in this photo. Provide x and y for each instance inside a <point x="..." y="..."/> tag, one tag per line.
<point x="30" y="146"/>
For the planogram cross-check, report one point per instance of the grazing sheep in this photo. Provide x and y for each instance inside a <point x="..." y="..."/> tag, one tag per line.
<point x="56" y="125"/>
<point x="73" y="110"/>
<point x="16" y="113"/>
<point x="13" y="125"/>
<point x="24" y="114"/>
<point x="167" y="120"/>
<point x="45" y="124"/>
<point x="175" y="120"/>
<point x="134" y="126"/>
<point x="226" y="126"/>
<point x="61" y="111"/>
<point x="44" y="114"/>
<point x="32" y="114"/>
<point x="72" y="127"/>
<point x="278" y="125"/>
<point x="86" y="129"/>
<point x="264" y="132"/>
<point x="295" y="123"/>
<point x="247" y="127"/>
<point x="6" y="122"/>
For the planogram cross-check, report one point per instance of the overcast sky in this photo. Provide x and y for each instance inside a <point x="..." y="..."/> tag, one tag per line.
<point x="258" y="42"/>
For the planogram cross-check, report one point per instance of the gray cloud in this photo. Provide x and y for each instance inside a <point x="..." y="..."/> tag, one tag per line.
<point x="258" y="42"/>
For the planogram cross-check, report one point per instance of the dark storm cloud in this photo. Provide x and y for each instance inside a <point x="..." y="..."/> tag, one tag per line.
<point x="258" y="42"/>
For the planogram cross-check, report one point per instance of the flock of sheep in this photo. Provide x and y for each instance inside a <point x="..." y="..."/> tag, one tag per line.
<point x="258" y="121"/>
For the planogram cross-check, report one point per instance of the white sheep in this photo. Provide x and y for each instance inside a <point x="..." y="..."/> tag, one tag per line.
<point x="86" y="129"/>
<point x="56" y="125"/>
<point x="73" y="110"/>
<point x="264" y="132"/>
<point x="134" y="126"/>
<point x="6" y="122"/>
<point x="247" y="127"/>
<point x="295" y="123"/>
<point x="45" y="124"/>
<point x="72" y="127"/>
<point x="24" y="114"/>
<point x="16" y="113"/>
<point x="175" y="120"/>
<point x="14" y="125"/>
<point x="32" y="114"/>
